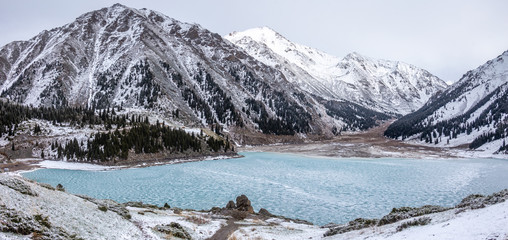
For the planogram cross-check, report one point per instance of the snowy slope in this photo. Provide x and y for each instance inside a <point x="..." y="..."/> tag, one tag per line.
<point x="149" y="62"/>
<point x="74" y="215"/>
<point x="472" y="88"/>
<point x="472" y="109"/>
<point x="387" y="86"/>
<point x="485" y="223"/>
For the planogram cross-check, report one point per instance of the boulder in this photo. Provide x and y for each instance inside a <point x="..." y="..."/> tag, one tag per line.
<point x="230" y="205"/>
<point x="265" y="212"/>
<point x="243" y="204"/>
<point x="173" y="229"/>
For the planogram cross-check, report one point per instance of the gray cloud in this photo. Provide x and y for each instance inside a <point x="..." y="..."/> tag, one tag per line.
<point x="447" y="38"/>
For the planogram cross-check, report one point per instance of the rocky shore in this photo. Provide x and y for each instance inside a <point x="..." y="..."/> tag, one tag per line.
<point x="39" y="211"/>
<point x="28" y="164"/>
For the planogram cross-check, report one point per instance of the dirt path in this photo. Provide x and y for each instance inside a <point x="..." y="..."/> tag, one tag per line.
<point x="225" y="231"/>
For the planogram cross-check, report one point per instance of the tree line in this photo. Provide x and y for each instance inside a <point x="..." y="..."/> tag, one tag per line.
<point x="141" y="138"/>
<point x="493" y="115"/>
<point x="123" y="133"/>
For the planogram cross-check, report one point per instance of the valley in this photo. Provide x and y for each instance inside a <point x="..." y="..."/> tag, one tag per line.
<point x="368" y="144"/>
<point x="171" y="121"/>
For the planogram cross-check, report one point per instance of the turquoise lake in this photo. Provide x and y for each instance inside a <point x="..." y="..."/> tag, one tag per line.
<point x="320" y="190"/>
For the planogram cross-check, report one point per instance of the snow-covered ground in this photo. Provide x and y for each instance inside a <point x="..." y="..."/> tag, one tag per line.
<point x="203" y="226"/>
<point x="28" y="205"/>
<point x="73" y="166"/>
<point x="486" y="223"/>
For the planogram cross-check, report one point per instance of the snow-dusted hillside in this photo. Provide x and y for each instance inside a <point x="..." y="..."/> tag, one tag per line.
<point x="387" y="86"/>
<point x="146" y="61"/>
<point x="472" y="111"/>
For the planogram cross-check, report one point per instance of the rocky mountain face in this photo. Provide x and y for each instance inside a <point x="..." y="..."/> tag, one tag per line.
<point x="143" y="60"/>
<point x="472" y="112"/>
<point x="390" y="87"/>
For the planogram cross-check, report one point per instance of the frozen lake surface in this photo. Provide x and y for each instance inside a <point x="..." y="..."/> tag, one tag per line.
<point x="320" y="190"/>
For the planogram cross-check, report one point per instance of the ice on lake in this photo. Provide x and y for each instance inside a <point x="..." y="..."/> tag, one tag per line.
<point x="320" y="190"/>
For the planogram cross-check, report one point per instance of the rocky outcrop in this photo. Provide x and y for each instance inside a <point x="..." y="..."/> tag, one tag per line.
<point x="231" y="205"/>
<point x="475" y="201"/>
<point x="36" y="226"/>
<point x="265" y="212"/>
<point x="243" y="204"/>
<point x="356" y="224"/>
<point x="239" y="210"/>
<point x="173" y="229"/>
<point x="398" y="214"/>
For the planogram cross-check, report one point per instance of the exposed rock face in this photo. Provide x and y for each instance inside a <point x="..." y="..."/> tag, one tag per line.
<point x="145" y="61"/>
<point x="230" y="205"/>
<point x="243" y="204"/>
<point x="382" y="85"/>
<point x="240" y="210"/>
<point x="402" y="213"/>
<point x="470" y="111"/>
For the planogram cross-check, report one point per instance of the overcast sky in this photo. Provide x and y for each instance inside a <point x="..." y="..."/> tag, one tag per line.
<point x="447" y="38"/>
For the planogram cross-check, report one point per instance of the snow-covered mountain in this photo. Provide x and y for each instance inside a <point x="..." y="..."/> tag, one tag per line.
<point x="143" y="60"/>
<point x="387" y="86"/>
<point x="473" y="112"/>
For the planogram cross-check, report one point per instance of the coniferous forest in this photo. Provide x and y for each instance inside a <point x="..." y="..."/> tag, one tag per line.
<point x="492" y="115"/>
<point x="120" y="136"/>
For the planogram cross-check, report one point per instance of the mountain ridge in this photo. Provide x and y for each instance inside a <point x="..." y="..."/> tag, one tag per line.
<point x="472" y="112"/>
<point x="397" y="88"/>
<point x="144" y="60"/>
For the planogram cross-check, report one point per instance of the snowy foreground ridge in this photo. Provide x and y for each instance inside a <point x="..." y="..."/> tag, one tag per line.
<point x="39" y="211"/>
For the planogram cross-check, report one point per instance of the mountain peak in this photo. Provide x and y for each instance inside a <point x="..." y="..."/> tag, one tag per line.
<point x="387" y="85"/>
<point x="265" y="30"/>
<point x="356" y="57"/>
<point x="259" y="34"/>
<point x="119" y="5"/>
<point x="147" y="62"/>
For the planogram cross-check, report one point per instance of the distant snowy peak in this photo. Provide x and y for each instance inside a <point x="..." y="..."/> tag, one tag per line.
<point x="489" y="75"/>
<point x="472" y="88"/>
<point x="303" y="56"/>
<point x="300" y="64"/>
<point x="384" y="70"/>
<point x="473" y="111"/>
<point x="387" y="86"/>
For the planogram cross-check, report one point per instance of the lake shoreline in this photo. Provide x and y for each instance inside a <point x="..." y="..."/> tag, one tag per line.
<point x="480" y="215"/>
<point x="367" y="144"/>
<point x="32" y="164"/>
<point x="370" y="144"/>
<point x="294" y="180"/>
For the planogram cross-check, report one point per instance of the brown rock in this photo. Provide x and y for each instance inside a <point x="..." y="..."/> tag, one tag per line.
<point x="243" y="204"/>
<point x="265" y="212"/>
<point x="230" y="205"/>
<point x="238" y="215"/>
